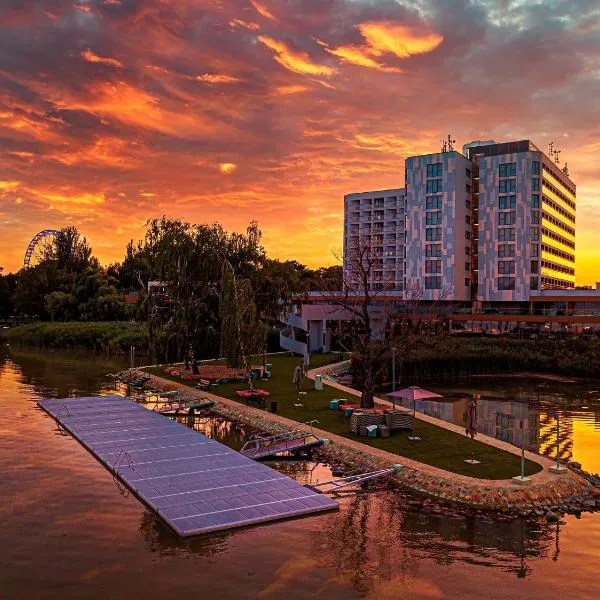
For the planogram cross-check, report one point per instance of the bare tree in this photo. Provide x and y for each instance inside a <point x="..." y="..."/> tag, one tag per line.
<point x="362" y="288"/>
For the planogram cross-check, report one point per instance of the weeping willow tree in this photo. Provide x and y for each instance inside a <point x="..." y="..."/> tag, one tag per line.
<point x="242" y="333"/>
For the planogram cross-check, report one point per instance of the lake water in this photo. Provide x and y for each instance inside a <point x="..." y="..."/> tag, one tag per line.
<point x="523" y="411"/>
<point x="67" y="531"/>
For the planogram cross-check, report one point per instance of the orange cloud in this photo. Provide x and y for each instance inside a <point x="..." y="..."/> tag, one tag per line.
<point x="298" y="62"/>
<point x="94" y="58"/>
<point x="359" y="56"/>
<point x="22" y="154"/>
<point x="284" y="90"/>
<point x="8" y="186"/>
<point x="227" y="168"/>
<point x="135" y="106"/>
<point x="263" y="10"/>
<point x="216" y="78"/>
<point x="240" y="23"/>
<point x="82" y="199"/>
<point x="385" y="37"/>
<point x="401" y="40"/>
<point x="106" y="151"/>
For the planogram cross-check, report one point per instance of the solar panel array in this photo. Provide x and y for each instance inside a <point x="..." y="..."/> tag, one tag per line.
<point x="192" y="482"/>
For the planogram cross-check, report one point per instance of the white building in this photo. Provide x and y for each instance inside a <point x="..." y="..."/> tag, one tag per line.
<point x="379" y="219"/>
<point x="439" y="226"/>
<point x="492" y="226"/>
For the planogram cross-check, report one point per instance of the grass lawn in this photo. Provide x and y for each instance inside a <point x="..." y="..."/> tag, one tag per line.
<point x="438" y="447"/>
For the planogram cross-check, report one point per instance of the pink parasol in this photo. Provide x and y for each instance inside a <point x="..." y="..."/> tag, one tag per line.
<point x="413" y="393"/>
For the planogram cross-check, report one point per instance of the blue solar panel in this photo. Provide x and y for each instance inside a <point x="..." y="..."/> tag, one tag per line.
<point x="192" y="482"/>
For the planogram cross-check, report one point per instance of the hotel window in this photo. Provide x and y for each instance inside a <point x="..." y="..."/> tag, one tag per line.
<point x="467" y="235"/>
<point x="433" y="202"/>
<point x="535" y="184"/>
<point x="433" y="218"/>
<point x="507" y="202"/>
<point x="467" y="282"/>
<point x="468" y="188"/>
<point x="506" y="267"/>
<point x="506" y="283"/>
<point x="435" y="170"/>
<point x="468" y="250"/>
<point x="535" y="233"/>
<point x="468" y="204"/>
<point x="468" y="173"/>
<point x="433" y="283"/>
<point x="508" y="170"/>
<point x="433" y="250"/>
<point x="433" y="266"/>
<point x="433" y="234"/>
<point x="535" y="250"/>
<point x="467" y="219"/>
<point x="535" y="217"/>
<point x="535" y="167"/>
<point x="535" y="200"/>
<point x="467" y="266"/>
<point x="507" y="218"/>
<point x="506" y="251"/>
<point x="507" y="186"/>
<point x="534" y="266"/>
<point x="534" y="283"/>
<point x="506" y="235"/>
<point x="434" y="186"/>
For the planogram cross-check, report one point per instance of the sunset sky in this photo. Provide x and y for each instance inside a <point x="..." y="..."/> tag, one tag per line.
<point x="115" y="111"/>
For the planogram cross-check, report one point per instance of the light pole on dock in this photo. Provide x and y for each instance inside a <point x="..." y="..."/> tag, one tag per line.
<point x="393" y="368"/>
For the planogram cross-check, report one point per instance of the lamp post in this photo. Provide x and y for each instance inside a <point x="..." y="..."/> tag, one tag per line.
<point x="521" y="479"/>
<point x="558" y="469"/>
<point x="393" y="368"/>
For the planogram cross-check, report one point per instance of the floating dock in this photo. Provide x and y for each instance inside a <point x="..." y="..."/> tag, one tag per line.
<point x="195" y="484"/>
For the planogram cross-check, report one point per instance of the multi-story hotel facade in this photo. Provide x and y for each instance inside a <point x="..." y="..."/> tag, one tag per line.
<point x="495" y="224"/>
<point x="377" y="219"/>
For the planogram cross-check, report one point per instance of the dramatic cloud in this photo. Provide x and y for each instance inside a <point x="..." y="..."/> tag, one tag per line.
<point x="112" y="112"/>
<point x="263" y="10"/>
<point x="386" y="36"/>
<point x="94" y="58"/>
<point x="298" y="62"/>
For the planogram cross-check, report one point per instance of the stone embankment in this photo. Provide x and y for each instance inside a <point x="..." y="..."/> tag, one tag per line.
<point x="427" y="487"/>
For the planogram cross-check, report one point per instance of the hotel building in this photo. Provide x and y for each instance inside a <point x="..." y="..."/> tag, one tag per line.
<point x="492" y="225"/>
<point x="488" y="233"/>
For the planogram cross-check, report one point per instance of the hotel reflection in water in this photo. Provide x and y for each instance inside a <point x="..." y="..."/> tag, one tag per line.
<point x="518" y="423"/>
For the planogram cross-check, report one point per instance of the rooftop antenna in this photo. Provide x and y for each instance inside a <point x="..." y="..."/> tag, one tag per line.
<point x="550" y="148"/>
<point x="557" y="156"/>
<point x="565" y="169"/>
<point x="444" y="146"/>
<point x="451" y="143"/>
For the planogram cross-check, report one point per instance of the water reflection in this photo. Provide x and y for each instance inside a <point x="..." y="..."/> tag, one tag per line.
<point x="524" y="414"/>
<point x="57" y="496"/>
<point x="159" y="538"/>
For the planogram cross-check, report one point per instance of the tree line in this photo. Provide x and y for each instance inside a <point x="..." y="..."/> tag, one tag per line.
<point x="209" y="281"/>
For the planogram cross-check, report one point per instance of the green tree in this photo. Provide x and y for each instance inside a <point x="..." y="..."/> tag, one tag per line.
<point x="242" y="333"/>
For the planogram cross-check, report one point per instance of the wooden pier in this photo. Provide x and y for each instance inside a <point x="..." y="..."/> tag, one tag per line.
<point x="192" y="482"/>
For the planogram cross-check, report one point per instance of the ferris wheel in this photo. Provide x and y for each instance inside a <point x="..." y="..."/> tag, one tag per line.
<point x="38" y="247"/>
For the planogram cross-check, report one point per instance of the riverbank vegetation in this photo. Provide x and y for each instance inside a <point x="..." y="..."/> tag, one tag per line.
<point x="438" y="447"/>
<point x="449" y="358"/>
<point x="171" y="280"/>
<point x="109" y="337"/>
